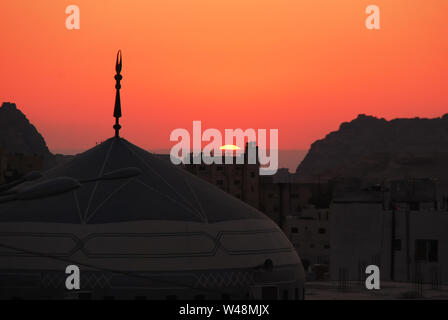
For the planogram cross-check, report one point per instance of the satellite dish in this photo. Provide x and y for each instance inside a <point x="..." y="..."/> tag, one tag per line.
<point x="268" y="265"/>
<point x="48" y="188"/>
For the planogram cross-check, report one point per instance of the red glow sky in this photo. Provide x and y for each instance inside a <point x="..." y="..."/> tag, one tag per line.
<point x="301" y="66"/>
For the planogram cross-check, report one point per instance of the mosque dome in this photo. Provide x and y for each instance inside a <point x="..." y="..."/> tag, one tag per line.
<point x="155" y="232"/>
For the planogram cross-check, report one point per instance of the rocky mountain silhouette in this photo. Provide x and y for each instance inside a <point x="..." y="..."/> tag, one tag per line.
<point x="377" y="149"/>
<point x="18" y="135"/>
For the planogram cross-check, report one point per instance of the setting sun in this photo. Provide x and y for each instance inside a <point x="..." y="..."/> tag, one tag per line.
<point x="229" y="147"/>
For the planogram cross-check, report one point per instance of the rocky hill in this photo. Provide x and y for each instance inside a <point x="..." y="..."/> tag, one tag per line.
<point x="18" y="135"/>
<point x="377" y="149"/>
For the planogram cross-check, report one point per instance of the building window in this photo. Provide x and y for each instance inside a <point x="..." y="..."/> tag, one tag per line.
<point x="252" y="189"/>
<point x="218" y="168"/>
<point x="252" y="174"/>
<point x="202" y="168"/>
<point x="327" y="246"/>
<point x="322" y="231"/>
<point x="397" y="245"/>
<point x="414" y="206"/>
<point x="219" y="182"/>
<point x="294" y="195"/>
<point x="237" y="182"/>
<point x="426" y="250"/>
<point x="238" y="196"/>
<point x="294" y="230"/>
<point x="285" y="295"/>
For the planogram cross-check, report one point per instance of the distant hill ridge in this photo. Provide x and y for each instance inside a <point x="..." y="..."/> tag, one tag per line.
<point x="366" y="147"/>
<point x="377" y="149"/>
<point x="18" y="135"/>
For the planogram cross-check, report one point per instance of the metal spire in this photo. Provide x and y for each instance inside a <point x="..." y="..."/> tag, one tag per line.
<point x="117" y="109"/>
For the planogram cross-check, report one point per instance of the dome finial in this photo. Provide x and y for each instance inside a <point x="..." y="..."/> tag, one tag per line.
<point x="117" y="109"/>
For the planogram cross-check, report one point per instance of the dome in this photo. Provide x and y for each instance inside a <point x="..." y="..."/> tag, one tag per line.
<point x="161" y="192"/>
<point x="164" y="223"/>
<point x="155" y="232"/>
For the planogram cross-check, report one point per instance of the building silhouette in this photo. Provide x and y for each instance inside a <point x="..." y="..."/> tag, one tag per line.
<point x="291" y="205"/>
<point x="398" y="225"/>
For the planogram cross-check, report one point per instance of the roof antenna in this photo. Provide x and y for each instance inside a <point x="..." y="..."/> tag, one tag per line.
<point x="117" y="109"/>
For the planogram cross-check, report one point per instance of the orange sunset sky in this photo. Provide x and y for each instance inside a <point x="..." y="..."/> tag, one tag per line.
<point x="301" y="66"/>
